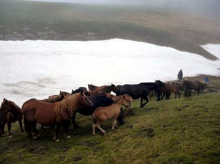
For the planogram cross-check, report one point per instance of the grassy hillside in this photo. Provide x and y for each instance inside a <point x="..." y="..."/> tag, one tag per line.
<point x="184" y="130"/>
<point x="56" y="21"/>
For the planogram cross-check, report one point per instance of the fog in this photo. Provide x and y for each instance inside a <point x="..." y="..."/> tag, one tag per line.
<point x="198" y="6"/>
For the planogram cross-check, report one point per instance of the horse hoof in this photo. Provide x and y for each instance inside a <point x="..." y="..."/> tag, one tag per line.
<point x="57" y="140"/>
<point x="104" y="133"/>
<point x="68" y="137"/>
<point x="9" y="136"/>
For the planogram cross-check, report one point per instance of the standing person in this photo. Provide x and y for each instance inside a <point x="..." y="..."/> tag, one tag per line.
<point x="180" y="75"/>
<point x="206" y="79"/>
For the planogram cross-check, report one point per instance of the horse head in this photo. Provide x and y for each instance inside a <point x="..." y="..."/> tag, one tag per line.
<point x="3" y="111"/>
<point x="83" y="99"/>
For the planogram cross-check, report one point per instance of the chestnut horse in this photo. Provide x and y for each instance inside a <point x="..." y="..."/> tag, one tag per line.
<point x="168" y="89"/>
<point x="101" y="114"/>
<point x="48" y="114"/>
<point x="117" y="98"/>
<point x="10" y="112"/>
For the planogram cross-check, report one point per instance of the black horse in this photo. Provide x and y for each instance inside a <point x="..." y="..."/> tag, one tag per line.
<point x="98" y="101"/>
<point x="141" y="90"/>
<point x="80" y="89"/>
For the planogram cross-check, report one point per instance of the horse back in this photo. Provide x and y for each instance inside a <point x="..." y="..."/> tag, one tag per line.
<point x="36" y="109"/>
<point x="134" y="90"/>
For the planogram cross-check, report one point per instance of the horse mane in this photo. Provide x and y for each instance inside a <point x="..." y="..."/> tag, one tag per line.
<point x="13" y="108"/>
<point x="68" y="103"/>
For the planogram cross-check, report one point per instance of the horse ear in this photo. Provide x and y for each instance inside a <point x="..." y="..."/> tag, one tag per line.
<point x="5" y="100"/>
<point x="123" y="96"/>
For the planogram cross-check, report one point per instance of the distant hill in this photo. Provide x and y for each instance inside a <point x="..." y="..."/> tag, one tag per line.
<point x="166" y="26"/>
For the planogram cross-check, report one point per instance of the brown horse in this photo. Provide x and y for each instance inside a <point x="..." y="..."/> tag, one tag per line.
<point x="95" y="88"/>
<point x="117" y="98"/>
<point x="102" y="89"/>
<point x="101" y="114"/>
<point x="54" y="98"/>
<point x="48" y="114"/>
<point x="10" y="112"/>
<point x="168" y="89"/>
<point x="64" y="94"/>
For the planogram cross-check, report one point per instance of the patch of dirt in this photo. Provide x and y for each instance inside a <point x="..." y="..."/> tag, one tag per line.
<point x="130" y="113"/>
<point x="38" y="150"/>
<point x="88" y="144"/>
<point x="178" y="109"/>
<point x="149" y="132"/>
<point x="76" y="159"/>
<point x="149" y="109"/>
<point x="217" y="132"/>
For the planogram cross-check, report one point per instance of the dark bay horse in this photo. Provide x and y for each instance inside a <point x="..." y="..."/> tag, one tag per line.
<point x="94" y="93"/>
<point x="141" y="90"/>
<point x="188" y="86"/>
<point x="95" y="88"/>
<point x="49" y="114"/>
<point x="10" y="112"/>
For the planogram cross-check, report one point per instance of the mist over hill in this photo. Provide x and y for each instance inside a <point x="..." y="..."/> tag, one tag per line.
<point x="182" y="24"/>
<point x="196" y="6"/>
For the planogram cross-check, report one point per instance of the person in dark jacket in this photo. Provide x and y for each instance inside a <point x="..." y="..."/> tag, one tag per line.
<point x="180" y="75"/>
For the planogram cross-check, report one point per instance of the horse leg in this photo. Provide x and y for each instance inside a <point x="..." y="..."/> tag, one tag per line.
<point x="3" y="128"/>
<point x="20" y="124"/>
<point x="65" y="127"/>
<point x="141" y="105"/>
<point x="9" y="128"/>
<point x="75" y="125"/>
<point x="35" y="132"/>
<point x="114" y="124"/>
<point x="93" y="129"/>
<point x="198" y="91"/>
<point x="162" y="96"/>
<point x="99" y="127"/>
<point x="55" y="138"/>
<point x="159" y="95"/>
<point x="146" y="101"/>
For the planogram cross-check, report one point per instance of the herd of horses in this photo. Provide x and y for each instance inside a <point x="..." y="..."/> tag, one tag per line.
<point x="60" y="110"/>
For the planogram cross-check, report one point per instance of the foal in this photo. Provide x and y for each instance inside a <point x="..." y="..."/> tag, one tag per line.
<point x="101" y="114"/>
<point x="117" y="98"/>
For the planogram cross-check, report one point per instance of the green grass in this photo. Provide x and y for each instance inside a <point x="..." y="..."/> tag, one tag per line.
<point x="184" y="130"/>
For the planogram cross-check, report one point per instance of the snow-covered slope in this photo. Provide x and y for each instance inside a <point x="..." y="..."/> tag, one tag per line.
<point x="41" y="68"/>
